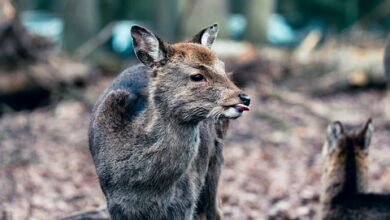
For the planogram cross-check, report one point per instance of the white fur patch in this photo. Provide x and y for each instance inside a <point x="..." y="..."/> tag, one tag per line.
<point x="220" y="68"/>
<point x="334" y="131"/>
<point x="232" y="112"/>
<point x="153" y="45"/>
<point x="205" y="38"/>
<point x="368" y="134"/>
<point x="209" y="35"/>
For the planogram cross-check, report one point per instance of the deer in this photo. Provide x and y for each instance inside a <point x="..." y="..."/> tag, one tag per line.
<point x="156" y="133"/>
<point x="345" y="176"/>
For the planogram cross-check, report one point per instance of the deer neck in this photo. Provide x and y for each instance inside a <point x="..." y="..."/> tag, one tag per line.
<point x="161" y="123"/>
<point x="344" y="179"/>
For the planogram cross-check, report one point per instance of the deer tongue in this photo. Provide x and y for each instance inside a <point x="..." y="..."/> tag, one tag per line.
<point x="241" y="107"/>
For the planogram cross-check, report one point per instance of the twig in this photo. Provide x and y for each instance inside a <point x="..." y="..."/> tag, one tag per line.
<point x="93" y="43"/>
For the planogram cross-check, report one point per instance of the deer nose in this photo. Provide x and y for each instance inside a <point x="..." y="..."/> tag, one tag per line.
<point x="245" y="99"/>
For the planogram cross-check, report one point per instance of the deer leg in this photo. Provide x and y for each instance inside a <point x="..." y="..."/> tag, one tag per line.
<point x="208" y="205"/>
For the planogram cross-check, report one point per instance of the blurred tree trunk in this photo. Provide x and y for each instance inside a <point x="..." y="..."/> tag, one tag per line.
<point x="112" y="10"/>
<point x="81" y="22"/>
<point x="351" y="12"/>
<point x="166" y="17"/>
<point x="23" y="4"/>
<point x="197" y="14"/>
<point x="257" y="13"/>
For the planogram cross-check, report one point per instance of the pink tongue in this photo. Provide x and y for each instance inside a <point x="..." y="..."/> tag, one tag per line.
<point x="241" y="107"/>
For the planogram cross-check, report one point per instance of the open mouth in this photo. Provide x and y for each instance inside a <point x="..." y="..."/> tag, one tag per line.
<point x="241" y="107"/>
<point x="235" y="111"/>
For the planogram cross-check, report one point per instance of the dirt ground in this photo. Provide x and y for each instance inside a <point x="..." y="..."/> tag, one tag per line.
<point x="272" y="155"/>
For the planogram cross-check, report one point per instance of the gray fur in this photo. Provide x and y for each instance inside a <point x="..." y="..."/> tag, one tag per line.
<point x="345" y="177"/>
<point x="207" y="36"/>
<point x="156" y="146"/>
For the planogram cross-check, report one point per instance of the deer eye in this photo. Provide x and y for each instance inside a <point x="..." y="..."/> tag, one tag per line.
<point x="197" y="77"/>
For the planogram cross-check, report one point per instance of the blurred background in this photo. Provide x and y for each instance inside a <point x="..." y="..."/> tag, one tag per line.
<point x="305" y="64"/>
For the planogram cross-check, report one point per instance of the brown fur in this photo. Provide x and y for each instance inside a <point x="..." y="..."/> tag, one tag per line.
<point x="345" y="177"/>
<point x="158" y="154"/>
<point x="195" y="53"/>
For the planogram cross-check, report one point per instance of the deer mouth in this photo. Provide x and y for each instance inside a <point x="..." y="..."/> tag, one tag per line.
<point x="235" y="111"/>
<point x="241" y="107"/>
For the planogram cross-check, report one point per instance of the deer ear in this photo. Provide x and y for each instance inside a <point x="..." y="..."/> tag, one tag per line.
<point x="335" y="132"/>
<point x="365" y="134"/>
<point x="149" y="48"/>
<point x="206" y="36"/>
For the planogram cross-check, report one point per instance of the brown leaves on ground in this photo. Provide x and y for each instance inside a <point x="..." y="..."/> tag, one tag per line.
<point x="272" y="156"/>
<point x="45" y="163"/>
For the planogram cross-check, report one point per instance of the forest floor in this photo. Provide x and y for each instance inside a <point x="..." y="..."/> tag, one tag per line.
<point x="272" y="166"/>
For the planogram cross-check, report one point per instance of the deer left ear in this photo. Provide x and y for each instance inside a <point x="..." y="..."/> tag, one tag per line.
<point x="207" y="36"/>
<point x="148" y="48"/>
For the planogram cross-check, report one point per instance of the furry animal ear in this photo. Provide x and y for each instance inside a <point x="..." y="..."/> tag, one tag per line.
<point x="149" y="48"/>
<point x="335" y="132"/>
<point x="365" y="134"/>
<point x="206" y="36"/>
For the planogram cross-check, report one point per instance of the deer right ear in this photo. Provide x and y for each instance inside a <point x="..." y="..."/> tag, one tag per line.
<point x="335" y="132"/>
<point x="149" y="48"/>
<point x="365" y="134"/>
<point x="206" y="36"/>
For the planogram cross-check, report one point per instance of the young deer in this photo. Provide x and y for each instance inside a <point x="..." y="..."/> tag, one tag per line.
<point x="345" y="177"/>
<point x="155" y="134"/>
